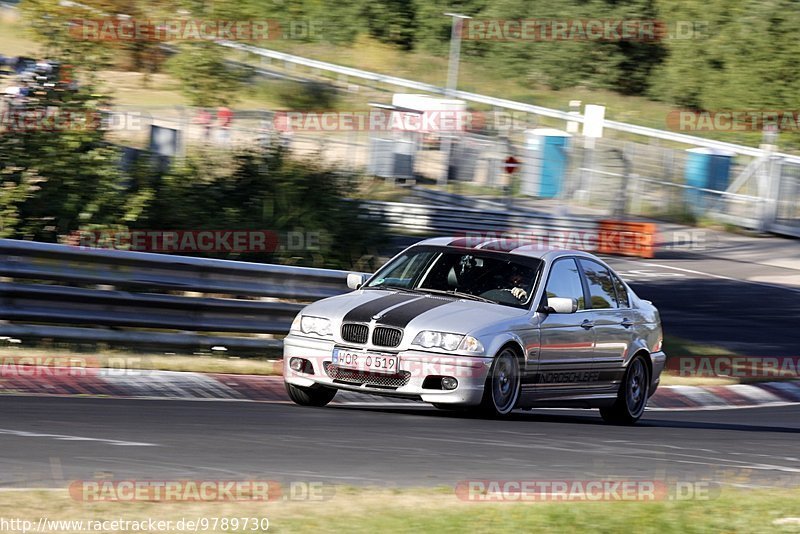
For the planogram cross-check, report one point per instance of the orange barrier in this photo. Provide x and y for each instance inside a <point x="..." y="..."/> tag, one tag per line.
<point x="626" y="238"/>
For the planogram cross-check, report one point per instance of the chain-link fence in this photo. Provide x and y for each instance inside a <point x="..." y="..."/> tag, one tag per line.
<point x="618" y="174"/>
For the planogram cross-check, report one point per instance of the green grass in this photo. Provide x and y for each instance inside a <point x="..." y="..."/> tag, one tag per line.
<point x="118" y="359"/>
<point x="13" y="40"/>
<point x="481" y="77"/>
<point x="371" y="510"/>
<point x="675" y="347"/>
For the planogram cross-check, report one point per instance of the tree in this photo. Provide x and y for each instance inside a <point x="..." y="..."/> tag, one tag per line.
<point x="743" y="58"/>
<point x="206" y="78"/>
<point x="391" y="21"/>
<point x="58" y="172"/>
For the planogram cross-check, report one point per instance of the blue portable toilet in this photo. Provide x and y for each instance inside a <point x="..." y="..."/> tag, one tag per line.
<point x="546" y="162"/>
<point x="706" y="168"/>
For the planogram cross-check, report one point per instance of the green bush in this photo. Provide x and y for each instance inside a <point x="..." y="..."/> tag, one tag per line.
<point x="311" y="96"/>
<point x="263" y="189"/>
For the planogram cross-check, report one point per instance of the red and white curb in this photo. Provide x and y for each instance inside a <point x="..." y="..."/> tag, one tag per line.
<point x="217" y="386"/>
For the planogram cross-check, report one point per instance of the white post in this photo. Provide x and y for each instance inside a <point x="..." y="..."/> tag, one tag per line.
<point x="452" y="83"/>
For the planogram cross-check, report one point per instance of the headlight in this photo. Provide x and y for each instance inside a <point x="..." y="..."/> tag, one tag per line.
<point x="471" y="344"/>
<point x="442" y="340"/>
<point x="296" y="323"/>
<point x="315" y="325"/>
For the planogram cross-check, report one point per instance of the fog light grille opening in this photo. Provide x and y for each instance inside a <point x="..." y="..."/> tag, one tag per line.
<point x="432" y="382"/>
<point x="440" y="382"/>
<point x="301" y="365"/>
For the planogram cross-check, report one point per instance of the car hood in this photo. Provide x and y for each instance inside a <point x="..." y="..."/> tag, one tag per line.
<point x="413" y="311"/>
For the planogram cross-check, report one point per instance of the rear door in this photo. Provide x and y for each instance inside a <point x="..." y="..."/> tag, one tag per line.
<point x="609" y="315"/>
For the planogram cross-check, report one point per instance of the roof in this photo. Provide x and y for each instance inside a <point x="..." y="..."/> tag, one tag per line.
<point x="521" y="246"/>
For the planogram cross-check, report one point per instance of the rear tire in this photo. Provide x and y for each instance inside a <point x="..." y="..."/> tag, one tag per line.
<point x="313" y="396"/>
<point x="501" y="392"/>
<point x="632" y="397"/>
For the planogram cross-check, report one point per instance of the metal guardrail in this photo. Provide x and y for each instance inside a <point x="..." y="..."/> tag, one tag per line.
<point x="139" y="298"/>
<point x="424" y="219"/>
<point x="432" y="196"/>
<point x="74" y="294"/>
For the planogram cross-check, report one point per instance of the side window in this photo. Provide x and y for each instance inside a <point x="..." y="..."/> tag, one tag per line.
<point x="601" y="286"/>
<point x="622" y="293"/>
<point x="565" y="282"/>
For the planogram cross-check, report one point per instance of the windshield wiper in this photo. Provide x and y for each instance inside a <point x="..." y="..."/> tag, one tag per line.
<point x="456" y="293"/>
<point x="395" y="288"/>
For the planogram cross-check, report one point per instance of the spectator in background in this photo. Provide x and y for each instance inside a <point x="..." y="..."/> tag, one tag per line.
<point x="25" y="89"/>
<point x="14" y="63"/>
<point x="204" y="120"/>
<point x="224" y="120"/>
<point x="44" y="67"/>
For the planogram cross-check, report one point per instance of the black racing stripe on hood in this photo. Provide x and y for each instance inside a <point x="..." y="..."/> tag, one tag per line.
<point x="364" y="312"/>
<point x="402" y="315"/>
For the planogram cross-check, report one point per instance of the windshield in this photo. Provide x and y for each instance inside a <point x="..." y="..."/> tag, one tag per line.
<point x="499" y="278"/>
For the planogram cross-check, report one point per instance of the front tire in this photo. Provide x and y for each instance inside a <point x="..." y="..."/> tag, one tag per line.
<point x="502" y="386"/>
<point x="632" y="397"/>
<point x="313" y="396"/>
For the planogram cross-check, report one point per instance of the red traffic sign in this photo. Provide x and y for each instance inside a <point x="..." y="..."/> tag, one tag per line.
<point x="511" y="165"/>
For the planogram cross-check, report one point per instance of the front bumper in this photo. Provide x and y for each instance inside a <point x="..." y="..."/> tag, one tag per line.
<point x="470" y="371"/>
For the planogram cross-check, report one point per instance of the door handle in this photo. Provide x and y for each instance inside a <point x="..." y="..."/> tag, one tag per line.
<point x="627" y="323"/>
<point x="587" y="324"/>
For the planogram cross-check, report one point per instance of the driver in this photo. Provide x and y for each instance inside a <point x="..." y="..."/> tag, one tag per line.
<point x="516" y="280"/>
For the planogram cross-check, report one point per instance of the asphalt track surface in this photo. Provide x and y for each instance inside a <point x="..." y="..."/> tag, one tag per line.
<point x="716" y="302"/>
<point x="721" y="299"/>
<point x="47" y="442"/>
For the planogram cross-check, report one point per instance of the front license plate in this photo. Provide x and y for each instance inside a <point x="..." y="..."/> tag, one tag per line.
<point x="375" y="363"/>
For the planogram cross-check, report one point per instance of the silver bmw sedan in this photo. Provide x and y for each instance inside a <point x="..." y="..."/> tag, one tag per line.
<point x="489" y="326"/>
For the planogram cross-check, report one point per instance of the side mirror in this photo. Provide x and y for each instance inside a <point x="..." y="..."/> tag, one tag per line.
<point x="355" y="280"/>
<point x="561" y="305"/>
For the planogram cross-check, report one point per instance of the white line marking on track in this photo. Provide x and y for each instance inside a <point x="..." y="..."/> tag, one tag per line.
<point x="64" y="437"/>
<point x="712" y="275"/>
